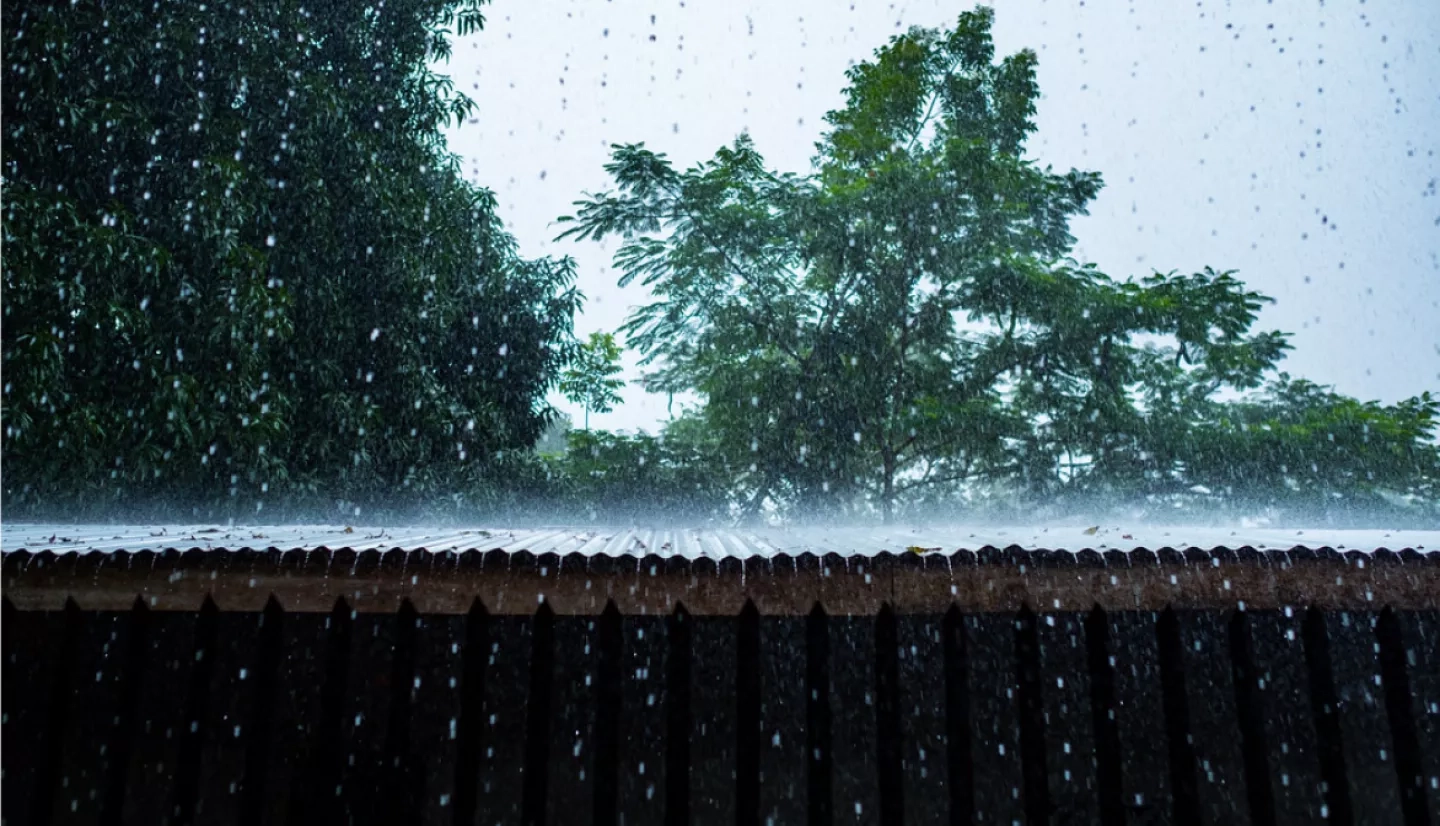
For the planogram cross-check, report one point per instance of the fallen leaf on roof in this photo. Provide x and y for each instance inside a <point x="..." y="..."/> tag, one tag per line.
<point x="916" y="549"/>
<point x="1092" y="531"/>
<point x="349" y="529"/>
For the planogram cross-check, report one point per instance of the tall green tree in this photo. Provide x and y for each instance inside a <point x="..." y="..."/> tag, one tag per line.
<point x="905" y="315"/>
<point x="590" y="380"/>
<point x="241" y="265"/>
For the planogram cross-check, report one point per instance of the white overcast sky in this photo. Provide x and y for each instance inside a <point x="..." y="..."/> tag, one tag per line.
<point x="1295" y="142"/>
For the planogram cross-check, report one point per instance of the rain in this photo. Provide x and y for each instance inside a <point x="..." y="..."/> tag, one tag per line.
<point x="667" y="412"/>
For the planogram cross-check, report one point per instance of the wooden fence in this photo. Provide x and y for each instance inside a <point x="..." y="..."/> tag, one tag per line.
<point x="1266" y="714"/>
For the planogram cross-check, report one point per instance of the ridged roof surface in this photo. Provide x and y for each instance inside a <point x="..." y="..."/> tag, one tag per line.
<point x="696" y="543"/>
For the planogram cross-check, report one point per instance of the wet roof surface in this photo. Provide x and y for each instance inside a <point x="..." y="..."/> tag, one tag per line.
<point x="695" y="543"/>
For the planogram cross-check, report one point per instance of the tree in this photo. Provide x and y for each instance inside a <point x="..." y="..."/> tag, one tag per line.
<point x="1302" y="447"/>
<point x="600" y="476"/>
<point x="556" y="437"/>
<point x="590" y="380"/>
<point x="615" y="476"/>
<point x="905" y="315"/>
<point x="240" y="263"/>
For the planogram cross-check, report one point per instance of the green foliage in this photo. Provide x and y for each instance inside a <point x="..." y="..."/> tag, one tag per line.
<point x="241" y="268"/>
<point x="903" y="327"/>
<point x="590" y="380"/>
<point x="1300" y="445"/>
<point x="241" y="265"/>
<point x="612" y="476"/>
<point x="556" y="438"/>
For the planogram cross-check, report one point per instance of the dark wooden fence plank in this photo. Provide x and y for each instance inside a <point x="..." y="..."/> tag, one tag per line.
<point x="641" y="734"/>
<point x="712" y="704"/>
<point x="1369" y="747"/>
<point x="1420" y="633"/>
<point x="994" y="719"/>
<point x="572" y="742"/>
<point x="1069" y="728"/>
<point x="924" y="762"/>
<point x="783" y="792"/>
<point x="229" y="716"/>
<point x="1214" y="722"/>
<point x="959" y="706"/>
<point x="34" y="642"/>
<point x="99" y="675"/>
<point x="1283" y="697"/>
<point x="435" y="713"/>
<point x="169" y="656"/>
<point x="853" y="725"/>
<point x="1140" y="718"/>
<point x="297" y="710"/>
<point x="366" y="779"/>
<point x="507" y="687"/>
<point x="747" y="717"/>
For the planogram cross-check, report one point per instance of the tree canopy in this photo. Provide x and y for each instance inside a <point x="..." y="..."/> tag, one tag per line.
<point x="243" y="274"/>
<point x="905" y="324"/>
<point x="242" y="267"/>
<point x="590" y="380"/>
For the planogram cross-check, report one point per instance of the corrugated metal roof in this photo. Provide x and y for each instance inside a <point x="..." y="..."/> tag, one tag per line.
<point x="696" y="543"/>
<point x="849" y="570"/>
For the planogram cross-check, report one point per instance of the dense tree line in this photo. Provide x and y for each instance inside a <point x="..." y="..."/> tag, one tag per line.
<point x="241" y="267"/>
<point x="242" y="271"/>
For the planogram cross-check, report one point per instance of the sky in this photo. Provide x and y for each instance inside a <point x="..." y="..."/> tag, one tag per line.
<point x="1293" y="142"/>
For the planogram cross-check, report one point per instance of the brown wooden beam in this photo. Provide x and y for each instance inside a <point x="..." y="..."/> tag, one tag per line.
<point x="517" y="583"/>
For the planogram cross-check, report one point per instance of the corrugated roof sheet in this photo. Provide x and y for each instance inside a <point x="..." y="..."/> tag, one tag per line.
<point x="696" y="543"/>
